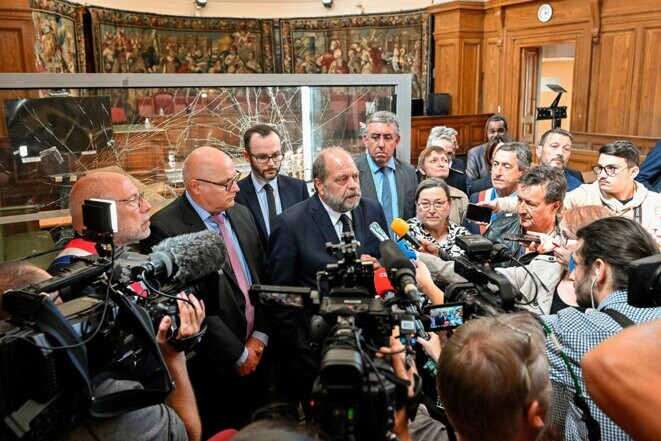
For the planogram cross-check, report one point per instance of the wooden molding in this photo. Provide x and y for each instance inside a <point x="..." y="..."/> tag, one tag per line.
<point x="595" y="20"/>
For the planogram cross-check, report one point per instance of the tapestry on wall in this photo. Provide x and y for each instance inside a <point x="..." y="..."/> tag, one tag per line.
<point x="364" y="44"/>
<point x="137" y="42"/>
<point x="59" y="37"/>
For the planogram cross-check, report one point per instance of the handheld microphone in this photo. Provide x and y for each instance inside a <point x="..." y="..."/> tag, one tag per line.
<point x="382" y="285"/>
<point x="376" y="230"/>
<point x="401" y="228"/>
<point x="400" y="269"/>
<point x="187" y="257"/>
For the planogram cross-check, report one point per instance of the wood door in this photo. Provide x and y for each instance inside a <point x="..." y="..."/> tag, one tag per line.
<point x="530" y="59"/>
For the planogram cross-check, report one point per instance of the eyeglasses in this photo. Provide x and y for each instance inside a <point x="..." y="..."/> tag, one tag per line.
<point x="227" y="184"/>
<point x="264" y="159"/>
<point x="424" y="206"/>
<point x="134" y="201"/>
<point x="610" y="170"/>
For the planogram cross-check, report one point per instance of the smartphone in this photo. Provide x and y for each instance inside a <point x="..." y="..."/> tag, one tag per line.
<point x="525" y="238"/>
<point x="445" y="316"/>
<point x="477" y="213"/>
<point x="280" y="296"/>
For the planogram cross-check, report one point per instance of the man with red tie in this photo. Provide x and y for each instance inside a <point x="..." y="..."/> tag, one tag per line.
<point x="225" y="372"/>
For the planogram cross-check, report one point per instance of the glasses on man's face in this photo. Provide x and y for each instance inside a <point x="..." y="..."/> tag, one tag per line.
<point x="227" y="184"/>
<point x="611" y="170"/>
<point x="134" y="201"/>
<point x="264" y="159"/>
<point x="425" y="205"/>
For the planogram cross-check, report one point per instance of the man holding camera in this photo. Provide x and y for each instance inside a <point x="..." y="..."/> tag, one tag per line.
<point x="178" y="418"/>
<point x="606" y="248"/>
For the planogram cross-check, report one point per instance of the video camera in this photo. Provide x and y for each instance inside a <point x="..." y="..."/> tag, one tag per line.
<point x="65" y="352"/>
<point x="487" y="292"/>
<point x="355" y="394"/>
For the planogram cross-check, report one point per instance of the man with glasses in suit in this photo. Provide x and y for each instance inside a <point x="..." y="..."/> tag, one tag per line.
<point x="265" y="191"/>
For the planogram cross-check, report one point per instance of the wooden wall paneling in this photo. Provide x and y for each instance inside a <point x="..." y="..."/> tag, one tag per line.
<point x="17" y="37"/>
<point x="470" y="76"/>
<point x="611" y="81"/>
<point x="445" y="75"/>
<point x="646" y="92"/>
<point x="593" y="141"/>
<point x="490" y="76"/>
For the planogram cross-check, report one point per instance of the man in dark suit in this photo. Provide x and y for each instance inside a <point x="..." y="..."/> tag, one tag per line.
<point x="553" y="150"/>
<point x="228" y="387"/>
<point x="265" y="192"/>
<point x="296" y="254"/>
<point x="379" y="166"/>
<point x="477" y="167"/>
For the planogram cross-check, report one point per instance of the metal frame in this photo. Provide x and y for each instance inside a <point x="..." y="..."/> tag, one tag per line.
<point x="401" y="82"/>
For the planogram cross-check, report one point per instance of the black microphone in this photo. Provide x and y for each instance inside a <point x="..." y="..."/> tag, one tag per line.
<point x="401" y="228"/>
<point x="187" y="257"/>
<point x="400" y="269"/>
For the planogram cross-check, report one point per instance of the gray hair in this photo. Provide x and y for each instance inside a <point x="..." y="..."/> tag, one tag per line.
<point x="522" y="150"/>
<point x="384" y="117"/>
<point x="440" y="131"/>
<point x="551" y="178"/>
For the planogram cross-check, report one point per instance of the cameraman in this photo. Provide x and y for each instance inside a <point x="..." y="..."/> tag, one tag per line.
<point x="492" y="379"/>
<point x="177" y="419"/>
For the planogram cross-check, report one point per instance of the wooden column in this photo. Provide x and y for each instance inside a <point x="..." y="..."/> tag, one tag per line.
<point x="458" y="35"/>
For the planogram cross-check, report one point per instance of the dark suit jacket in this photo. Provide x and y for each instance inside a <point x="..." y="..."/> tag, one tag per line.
<point x="225" y="304"/>
<point x="476" y="166"/>
<point x="406" y="181"/>
<point x="291" y="191"/>
<point x="650" y="169"/>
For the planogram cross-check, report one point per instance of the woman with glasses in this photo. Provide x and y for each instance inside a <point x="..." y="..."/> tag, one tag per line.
<point x="434" y="162"/>
<point x="564" y="243"/>
<point x="432" y="223"/>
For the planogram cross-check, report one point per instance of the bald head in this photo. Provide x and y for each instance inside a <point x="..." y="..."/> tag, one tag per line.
<point x="132" y="216"/>
<point x="210" y="179"/>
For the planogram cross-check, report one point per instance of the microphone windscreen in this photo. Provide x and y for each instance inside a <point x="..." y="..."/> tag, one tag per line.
<point x="381" y="282"/>
<point x="393" y="257"/>
<point x="400" y="227"/>
<point x="195" y="254"/>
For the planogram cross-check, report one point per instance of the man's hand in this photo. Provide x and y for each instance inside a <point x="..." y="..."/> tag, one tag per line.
<point x="428" y="247"/>
<point x="494" y="205"/>
<point x="368" y="258"/>
<point x="255" y="350"/>
<point x="191" y="316"/>
<point x="432" y="347"/>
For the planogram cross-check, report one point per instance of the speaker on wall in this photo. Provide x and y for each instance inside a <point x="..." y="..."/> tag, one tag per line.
<point x="438" y="104"/>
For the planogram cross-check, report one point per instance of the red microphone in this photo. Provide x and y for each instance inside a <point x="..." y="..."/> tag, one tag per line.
<point x="382" y="285"/>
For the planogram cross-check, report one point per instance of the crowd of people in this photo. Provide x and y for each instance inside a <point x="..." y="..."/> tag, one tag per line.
<point x="513" y="376"/>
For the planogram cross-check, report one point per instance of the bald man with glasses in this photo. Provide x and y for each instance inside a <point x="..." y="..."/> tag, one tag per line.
<point x="228" y="385"/>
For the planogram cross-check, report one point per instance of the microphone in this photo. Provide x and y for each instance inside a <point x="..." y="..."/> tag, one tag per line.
<point x="376" y="230"/>
<point x="401" y="228"/>
<point x="382" y="285"/>
<point x="187" y="257"/>
<point x="400" y="269"/>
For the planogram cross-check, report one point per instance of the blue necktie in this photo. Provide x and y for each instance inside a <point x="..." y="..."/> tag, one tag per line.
<point x="386" y="196"/>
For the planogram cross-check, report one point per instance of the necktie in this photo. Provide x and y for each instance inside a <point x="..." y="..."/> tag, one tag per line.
<point x="270" y="201"/>
<point x="239" y="274"/>
<point x="346" y="223"/>
<point x="386" y="195"/>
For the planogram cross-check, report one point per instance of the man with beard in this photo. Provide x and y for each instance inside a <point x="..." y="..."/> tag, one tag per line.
<point x="132" y="214"/>
<point x="265" y="192"/>
<point x="297" y="252"/>
<point x="605" y="251"/>
<point x="553" y="150"/>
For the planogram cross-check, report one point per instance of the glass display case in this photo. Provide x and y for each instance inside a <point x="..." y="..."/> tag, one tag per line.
<point x="56" y="127"/>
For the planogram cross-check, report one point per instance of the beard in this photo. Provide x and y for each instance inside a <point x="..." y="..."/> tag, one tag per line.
<point x="341" y="204"/>
<point x="582" y="289"/>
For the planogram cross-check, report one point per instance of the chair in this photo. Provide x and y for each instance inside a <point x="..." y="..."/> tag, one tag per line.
<point x="117" y="115"/>
<point x="164" y="103"/>
<point x="145" y="105"/>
